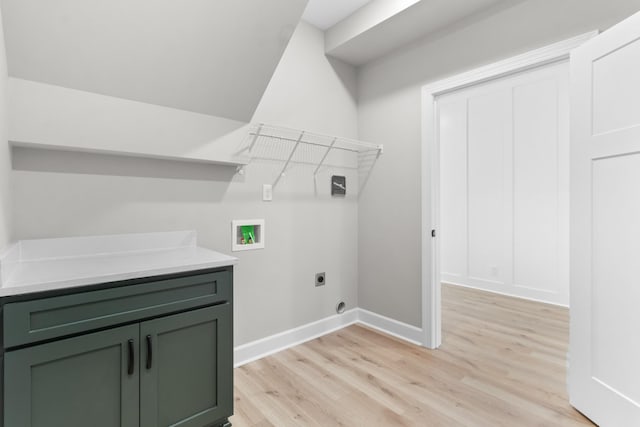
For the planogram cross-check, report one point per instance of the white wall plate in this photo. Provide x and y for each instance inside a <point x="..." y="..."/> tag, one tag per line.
<point x="238" y="243"/>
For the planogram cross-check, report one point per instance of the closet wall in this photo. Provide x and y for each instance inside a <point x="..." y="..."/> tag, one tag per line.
<point x="504" y="151"/>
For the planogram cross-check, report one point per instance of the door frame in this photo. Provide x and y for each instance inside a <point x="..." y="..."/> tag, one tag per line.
<point x="430" y="158"/>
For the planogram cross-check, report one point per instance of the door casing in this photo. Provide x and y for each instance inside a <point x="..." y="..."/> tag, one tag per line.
<point x="430" y="197"/>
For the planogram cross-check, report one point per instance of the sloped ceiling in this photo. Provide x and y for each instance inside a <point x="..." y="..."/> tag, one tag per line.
<point x="208" y="56"/>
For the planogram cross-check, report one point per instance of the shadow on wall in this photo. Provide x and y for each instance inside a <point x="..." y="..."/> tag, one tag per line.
<point x="60" y="161"/>
<point x="345" y="75"/>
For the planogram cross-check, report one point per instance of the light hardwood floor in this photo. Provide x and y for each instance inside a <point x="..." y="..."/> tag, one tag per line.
<point x="502" y="363"/>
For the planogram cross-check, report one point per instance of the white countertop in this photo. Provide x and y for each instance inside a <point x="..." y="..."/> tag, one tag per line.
<point x="52" y="264"/>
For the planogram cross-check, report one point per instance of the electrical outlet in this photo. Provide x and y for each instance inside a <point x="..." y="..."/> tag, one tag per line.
<point x="495" y="271"/>
<point x="320" y="279"/>
<point x="267" y="192"/>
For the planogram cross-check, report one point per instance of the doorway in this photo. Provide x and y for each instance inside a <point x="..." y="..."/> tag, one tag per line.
<point x="506" y="207"/>
<point x="504" y="185"/>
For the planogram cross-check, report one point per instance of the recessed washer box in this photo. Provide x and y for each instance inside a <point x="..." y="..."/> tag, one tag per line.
<point x="247" y="234"/>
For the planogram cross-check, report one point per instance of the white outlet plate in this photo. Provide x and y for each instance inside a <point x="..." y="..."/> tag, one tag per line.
<point x="267" y="192"/>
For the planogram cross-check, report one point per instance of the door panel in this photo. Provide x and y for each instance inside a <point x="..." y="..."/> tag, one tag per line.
<point x="616" y="104"/>
<point x="76" y="382"/>
<point x="604" y="373"/>
<point x="489" y="126"/>
<point x="189" y="381"/>
<point x="615" y="274"/>
<point x="536" y="231"/>
<point x="452" y="126"/>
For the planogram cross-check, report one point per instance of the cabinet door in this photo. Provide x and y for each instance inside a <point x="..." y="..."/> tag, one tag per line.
<point x="186" y="368"/>
<point x="90" y="380"/>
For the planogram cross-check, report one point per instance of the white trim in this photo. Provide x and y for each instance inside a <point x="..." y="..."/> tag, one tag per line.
<point x="535" y="58"/>
<point x="390" y="326"/>
<point x="506" y="294"/>
<point x="431" y="292"/>
<point x="264" y="347"/>
<point x="272" y="344"/>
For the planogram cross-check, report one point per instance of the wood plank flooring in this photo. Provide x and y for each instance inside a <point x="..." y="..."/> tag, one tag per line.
<point x="502" y="363"/>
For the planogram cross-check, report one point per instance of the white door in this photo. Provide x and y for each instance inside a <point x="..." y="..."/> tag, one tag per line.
<point x="604" y="356"/>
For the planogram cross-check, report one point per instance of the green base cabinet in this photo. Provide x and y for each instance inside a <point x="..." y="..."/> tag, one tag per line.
<point x="167" y="367"/>
<point x="186" y="381"/>
<point x="76" y="382"/>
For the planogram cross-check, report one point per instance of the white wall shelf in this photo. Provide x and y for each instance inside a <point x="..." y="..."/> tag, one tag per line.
<point x="299" y="137"/>
<point x="224" y="161"/>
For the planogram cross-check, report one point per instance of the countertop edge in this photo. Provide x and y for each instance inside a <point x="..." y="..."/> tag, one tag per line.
<point x="39" y="258"/>
<point x="108" y="278"/>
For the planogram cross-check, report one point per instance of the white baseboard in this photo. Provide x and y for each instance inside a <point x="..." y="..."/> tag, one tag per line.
<point x="543" y="300"/>
<point x="272" y="344"/>
<point x="390" y="326"/>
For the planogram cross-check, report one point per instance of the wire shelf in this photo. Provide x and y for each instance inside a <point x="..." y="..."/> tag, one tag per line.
<point x="296" y="138"/>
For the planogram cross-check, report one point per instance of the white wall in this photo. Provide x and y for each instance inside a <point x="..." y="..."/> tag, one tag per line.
<point x="389" y="112"/>
<point x="5" y="165"/>
<point x="42" y="113"/>
<point x="504" y="185"/>
<point x="204" y="56"/>
<point x="308" y="231"/>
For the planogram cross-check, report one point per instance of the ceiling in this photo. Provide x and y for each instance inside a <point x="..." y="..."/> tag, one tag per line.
<point x="326" y="13"/>
<point x="211" y="57"/>
<point x="382" y="26"/>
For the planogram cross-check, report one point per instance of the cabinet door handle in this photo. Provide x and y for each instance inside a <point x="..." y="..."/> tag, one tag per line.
<point x="131" y="356"/>
<point x="149" y="352"/>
